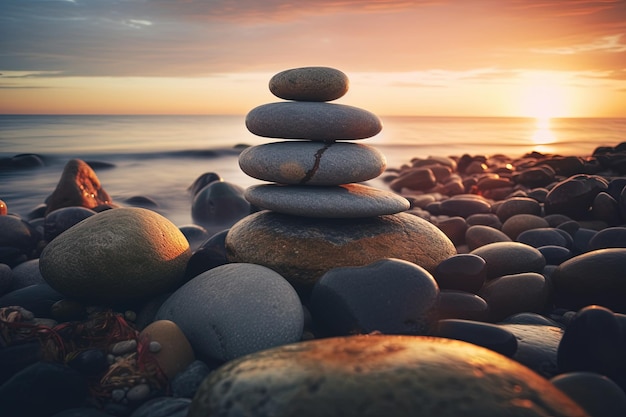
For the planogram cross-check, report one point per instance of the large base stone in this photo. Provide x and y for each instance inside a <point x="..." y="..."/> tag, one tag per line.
<point x="302" y="249"/>
<point x="392" y="376"/>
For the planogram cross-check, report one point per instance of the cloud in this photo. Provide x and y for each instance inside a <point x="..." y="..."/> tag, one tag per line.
<point x="609" y="44"/>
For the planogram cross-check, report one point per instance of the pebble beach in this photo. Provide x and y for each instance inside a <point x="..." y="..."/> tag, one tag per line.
<point x="334" y="285"/>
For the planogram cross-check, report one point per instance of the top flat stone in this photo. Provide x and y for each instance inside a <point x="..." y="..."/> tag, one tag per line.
<point x="312" y="121"/>
<point x="340" y="201"/>
<point x="309" y="84"/>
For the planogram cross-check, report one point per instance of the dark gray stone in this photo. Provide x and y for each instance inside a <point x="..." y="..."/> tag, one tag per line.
<point x="218" y="206"/>
<point x="186" y="383"/>
<point x="344" y="201"/>
<point x="506" y="258"/>
<point x="463" y="272"/>
<point x="391" y="296"/>
<point x="487" y="335"/>
<point x="312" y="163"/>
<point x="309" y="84"/>
<point x="26" y="274"/>
<point x="313" y="121"/>
<point x="235" y="309"/>
<point x="59" y="220"/>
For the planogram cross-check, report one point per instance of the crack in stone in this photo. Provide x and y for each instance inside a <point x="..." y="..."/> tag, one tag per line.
<point x="318" y="157"/>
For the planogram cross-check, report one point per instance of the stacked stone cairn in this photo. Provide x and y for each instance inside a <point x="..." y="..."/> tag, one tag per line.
<point x="315" y="213"/>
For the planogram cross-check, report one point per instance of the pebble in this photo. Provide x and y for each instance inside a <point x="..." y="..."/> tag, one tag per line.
<point x="595" y="277"/>
<point x="490" y="336"/>
<point x="309" y="84"/>
<point x="186" y="383"/>
<point x="119" y="255"/>
<point x="462" y="305"/>
<point x="59" y="220"/>
<point x="574" y="196"/>
<point x="518" y="205"/>
<point x="19" y="238"/>
<point x="597" y="394"/>
<point x="537" y="346"/>
<point x="195" y="235"/>
<point x="479" y="235"/>
<point x="464" y="206"/>
<point x="386" y="375"/>
<point x="37" y="298"/>
<point x="170" y="346"/>
<point x="555" y="255"/>
<point x="42" y="389"/>
<point x="312" y="246"/>
<point x="414" y="179"/>
<point x="218" y="206"/>
<point x="507" y="258"/>
<point x="403" y="296"/>
<point x="202" y="181"/>
<point x="26" y="274"/>
<point x="519" y="223"/>
<point x="463" y="272"/>
<point x="123" y="347"/>
<point x="348" y="201"/>
<point x="454" y="228"/>
<point x="516" y="293"/>
<point x="163" y="407"/>
<point x="544" y="236"/>
<point x="611" y="237"/>
<point x="138" y="393"/>
<point x="210" y="254"/>
<point x="312" y="121"/>
<point x="593" y="342"/>
<point x="606" y="208"/>
<point x="235" y="309"/>
<point x="484" y="219"/>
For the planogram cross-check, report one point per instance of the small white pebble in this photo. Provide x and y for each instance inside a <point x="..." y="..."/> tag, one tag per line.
<point x="130" y="315"/>
<point x="118" y="395"/>
<point x="138" y="392"/>
<point x="125" y="346"/>
<point x="154" y="346"/>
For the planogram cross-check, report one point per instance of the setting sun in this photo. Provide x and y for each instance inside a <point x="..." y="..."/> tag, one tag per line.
<point x="544" y="95"/>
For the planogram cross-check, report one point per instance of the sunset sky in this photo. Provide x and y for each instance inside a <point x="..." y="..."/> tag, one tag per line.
<point x="457" y="58"/>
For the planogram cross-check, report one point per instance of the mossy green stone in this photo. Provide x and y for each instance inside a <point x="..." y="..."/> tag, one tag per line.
<point x="118" y="255"/>
<point x="379" y="375"/>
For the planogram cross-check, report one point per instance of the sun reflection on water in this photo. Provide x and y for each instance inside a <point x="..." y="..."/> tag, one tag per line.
<point x="543" y="136"/>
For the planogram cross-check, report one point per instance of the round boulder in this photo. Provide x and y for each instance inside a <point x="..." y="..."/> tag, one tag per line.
<point x="386" y="375"/>
<point x="302" y="249"/>
<point x="118" y="255"/>
<point x="235" y="309"/>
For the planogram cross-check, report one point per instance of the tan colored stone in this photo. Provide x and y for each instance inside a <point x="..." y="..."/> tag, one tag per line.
<point x="176" y="353"/>
<point x="379" y="375"/>
<point x="302" y="249"/>
<point x="78" y="186"/>
<point x="119" y="255"/>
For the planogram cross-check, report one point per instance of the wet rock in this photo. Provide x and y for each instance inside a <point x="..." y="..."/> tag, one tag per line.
<point x="462" y="305"/>
<point x="302" y="249"/>
<point x="479" y="235"/>
<point x="519" y="223"/>
<point x="463" y="272"/>
<point x="612" y="237"/>
<point x="516" y="293"/>
<point x="186" y="383"/>
<point x="219" y="205"/>
<point x="537" y="346"/>
<point x="386" y="375"/>
<point x="592" y="278"/>
<point x="195" y="235"/>
<point x="518" y="205"/>
<point x="593" y="342"/>
<point x="118" y="255"/>
<point x="574" y="196"/>
<point x="490" y="336"/>
<point x="79" y="186"/>
<point x="235" y="309"/>
<point x="212" y="253"/>
<point x="26" y="274"/>
<point x="555" y="255"/>
<point x="544" y="236"/>
<point x="202" y="181"/>
<point x="175" y="353"/>
<point x="316" y="121"/>
<point x="42" y="389"/>
<point x="59" y="220"/>
<point x="507" y="258"/>
<point x="403" y="296"/>
<point x="309" y="84"/>
<point x="597" y="394"/>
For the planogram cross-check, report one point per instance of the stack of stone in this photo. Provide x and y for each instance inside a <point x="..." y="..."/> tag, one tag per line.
<point x="317" y="176"/>
<point x="316" y="216"/>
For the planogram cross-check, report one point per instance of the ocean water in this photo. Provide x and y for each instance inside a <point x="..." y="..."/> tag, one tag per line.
<point x="160" y="156"/>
